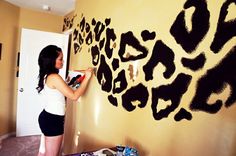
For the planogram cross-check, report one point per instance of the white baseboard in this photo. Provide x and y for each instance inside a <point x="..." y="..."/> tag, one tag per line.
<point x="2" y="137"/>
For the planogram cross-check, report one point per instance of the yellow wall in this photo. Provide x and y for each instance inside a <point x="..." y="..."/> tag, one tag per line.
<point x="40" y="21"/>
<point x="9" y="16"/>
<point x="93" y="122"/>
<point x="13" y="19"/>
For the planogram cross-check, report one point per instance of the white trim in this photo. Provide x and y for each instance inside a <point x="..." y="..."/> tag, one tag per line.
<point x="2" y="137"/>
<point x="67" y="32"/>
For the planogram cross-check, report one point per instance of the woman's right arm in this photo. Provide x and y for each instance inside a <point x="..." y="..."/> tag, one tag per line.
<point x="56" y="81"/>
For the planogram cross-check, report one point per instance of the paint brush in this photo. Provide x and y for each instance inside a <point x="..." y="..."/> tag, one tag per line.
<point x="94" y="71"/>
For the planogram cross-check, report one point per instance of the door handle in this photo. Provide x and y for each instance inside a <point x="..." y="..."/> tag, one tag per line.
<point x="21" y="90"/>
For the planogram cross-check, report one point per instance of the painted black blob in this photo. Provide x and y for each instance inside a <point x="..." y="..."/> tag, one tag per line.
<point x="80" y="39"/>
<point x="89" y="38"/>
<point x="107" y="21"/>
<point x="200" y="25"/>
<point x="76" y="47"/>
<point x="75" y="34"/>
<point x="82" y="24"/>
<point x="110" y="36"/>
<point x="183" y="114"/>
<point x="115" y="64"/>
<point x="113" y="100"/>
<point x="101" y="43"/>
<point x="137" y="93"/>
<point x="172" y="92"/>
<point x="225" y="30"/>
<point x="99" y="28"/>
<point x="146" y="35"/>
<point x="87" y="28"/>
<point x="214" y="82"/>
<point x="129" y="39"/>
<point x="120" y="82"/>
<point x="160" y="54"/>
<point x="95" y="54"/>
<point x="194" y="64"/>
<point x="94" y="21"/>
<point x="104" y="75"/>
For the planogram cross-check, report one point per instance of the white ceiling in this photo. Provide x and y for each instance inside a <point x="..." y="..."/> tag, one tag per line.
<point x="58" y="7"/>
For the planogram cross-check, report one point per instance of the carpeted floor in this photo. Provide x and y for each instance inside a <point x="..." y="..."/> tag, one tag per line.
<point x="29" y="146"/>
<point x="20" y="146"/>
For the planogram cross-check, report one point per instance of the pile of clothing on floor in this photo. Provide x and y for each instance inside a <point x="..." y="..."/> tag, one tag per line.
<point x="120" y="151"/>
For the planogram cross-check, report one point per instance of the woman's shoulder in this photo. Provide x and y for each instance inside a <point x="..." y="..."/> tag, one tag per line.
<point x="53" y="77"/>
<point x="53" y="74"/>
<point x="53" y="80"/>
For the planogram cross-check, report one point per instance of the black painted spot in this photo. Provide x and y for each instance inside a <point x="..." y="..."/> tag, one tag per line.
<point x="120" y="83"/>
<point x="163" y="54"/>
<point x="113" y="100"/>
<point x="107" y="21"/>
<point x="225" y="30"/>
<point x="94" y="21"/>
<point x="200" y="25"/>
<point x="99" y="28"/>
<point x="95" y="54"/>
<point x="115" y="64"/>
<point x="146" y="35"/>
<point x="76" y="47"/>
<point x="129" y="39"/>
<point x="104" y="75"/>
<point x="87" y="28"/>
<point x="75" y="34"/>
<point x="89" y="38"/>
<point x="214" y="82"/>
<point x="101" y="43"/>
<point x="183" y="114"/>
<point x="80" y="39"/>
<point x="172" y="92"/>
<point x="137" y="93"/>
<point x="110" y="36"/>
<point x="194" y="64"/>
<point x="82" y="24"/>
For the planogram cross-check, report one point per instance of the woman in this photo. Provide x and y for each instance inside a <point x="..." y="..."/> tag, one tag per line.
<point x="54" y="90"/>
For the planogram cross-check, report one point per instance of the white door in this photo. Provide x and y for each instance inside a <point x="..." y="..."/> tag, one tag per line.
<point x="29" y="105"/>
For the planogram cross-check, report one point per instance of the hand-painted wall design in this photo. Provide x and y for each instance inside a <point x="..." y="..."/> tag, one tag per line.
<point x="68" y="23"/>
<point x="102" y="42"/>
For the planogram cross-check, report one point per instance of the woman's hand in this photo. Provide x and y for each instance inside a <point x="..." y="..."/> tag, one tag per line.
<point x="88" y="72"/>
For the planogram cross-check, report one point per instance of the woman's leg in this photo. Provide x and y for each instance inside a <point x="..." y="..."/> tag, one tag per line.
<point x="42" y="146"/>
<point x="53" y="145"/>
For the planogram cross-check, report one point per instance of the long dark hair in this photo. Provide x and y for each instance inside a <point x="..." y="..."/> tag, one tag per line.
<point x="46" y="61"/>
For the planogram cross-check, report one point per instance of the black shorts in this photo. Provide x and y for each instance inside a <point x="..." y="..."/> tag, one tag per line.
<point x="51" y="124"/>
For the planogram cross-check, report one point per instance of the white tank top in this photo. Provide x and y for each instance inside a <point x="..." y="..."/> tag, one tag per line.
<point x="54" y="101"/>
